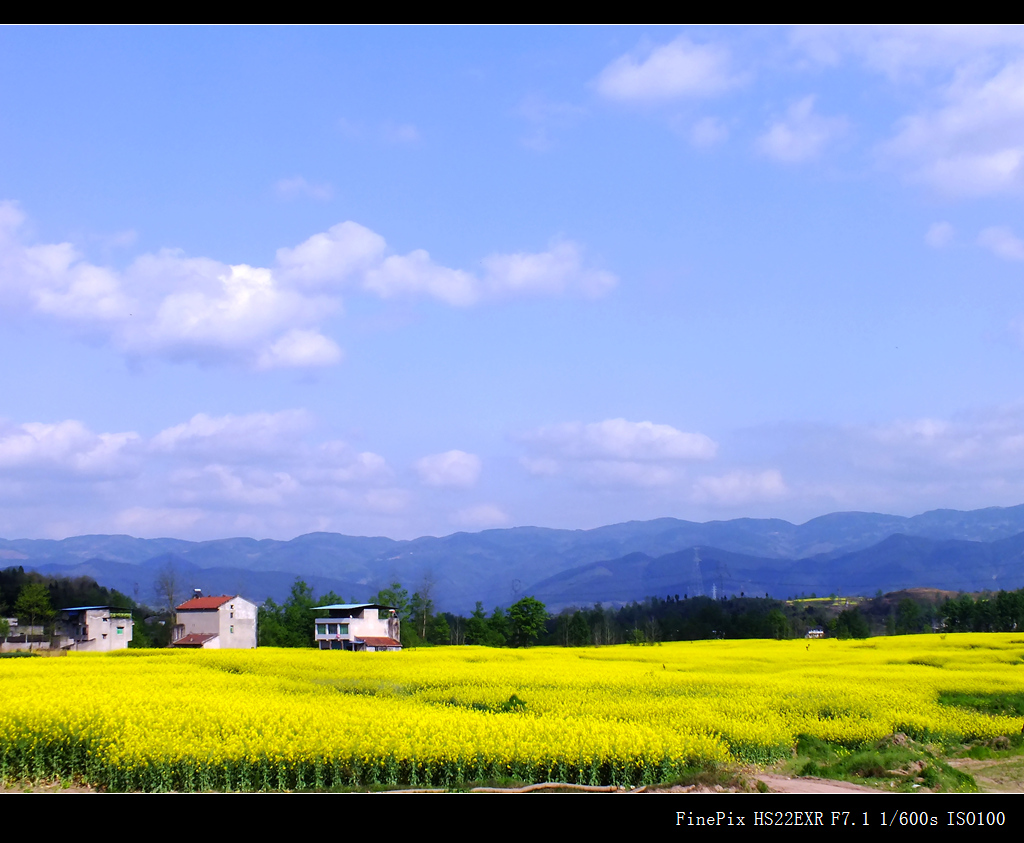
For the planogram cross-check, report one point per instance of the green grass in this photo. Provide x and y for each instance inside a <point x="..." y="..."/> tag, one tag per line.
<point x="1009" y="704"/>
<point x="896" y="761"/>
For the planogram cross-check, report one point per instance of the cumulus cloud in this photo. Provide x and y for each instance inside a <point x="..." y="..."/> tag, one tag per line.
<point x="558" y="270"/>
<point x="614" y="452"/>
<point x="452" y="469"/>
<point x="66" y="447"/>
<point x="899" y="50"/>
<point x="618" y="439"/>
<point x="333" y="257"/>
<point x="416" y="274"/>
<point x="238" y="437"/>
<point x="678" y="69"/>
<point x="972" y="144"/>
<point x="1002" y="242"/>
<point x="179" y="308"/>
<point x="205" y="476"/>
<point x="801" y="134"/>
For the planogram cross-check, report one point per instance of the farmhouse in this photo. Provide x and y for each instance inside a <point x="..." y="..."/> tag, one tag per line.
<point x="357" y="626"/>
<point x="94" y="629"/>
<point x="215" y="623"/>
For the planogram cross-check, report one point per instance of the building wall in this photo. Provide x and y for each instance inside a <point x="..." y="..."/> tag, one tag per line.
<point x="237" y="624"/>
<point x="95" y="631"/>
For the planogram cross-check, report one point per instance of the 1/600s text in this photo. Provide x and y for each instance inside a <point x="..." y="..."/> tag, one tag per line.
<point x="842" y="818"/>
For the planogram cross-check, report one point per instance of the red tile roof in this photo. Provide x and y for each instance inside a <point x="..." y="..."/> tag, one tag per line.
<point x="194" y="639"/>
<point x="380" y="642"/>
<point x="201" y="603"/>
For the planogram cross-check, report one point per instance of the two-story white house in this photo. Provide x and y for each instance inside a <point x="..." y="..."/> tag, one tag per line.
<point x="94" y="629"/>
<point x="357" y="626"/>
<point x="215" y="623"/>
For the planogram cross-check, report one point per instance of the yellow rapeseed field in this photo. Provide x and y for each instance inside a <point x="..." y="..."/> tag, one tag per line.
<point x="287" y="719"/>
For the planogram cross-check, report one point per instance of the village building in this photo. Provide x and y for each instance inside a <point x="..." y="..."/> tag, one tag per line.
<point x="224" y="622"/>
<point x="357" y="626"/>
<point x="93" y="629"/>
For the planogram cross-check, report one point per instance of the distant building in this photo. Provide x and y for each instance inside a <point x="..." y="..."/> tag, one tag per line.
<point x="815" y="633"/>
<point x="225" y="622"/>
<point x="94" y="629"/>
<point x="357" y="626"/>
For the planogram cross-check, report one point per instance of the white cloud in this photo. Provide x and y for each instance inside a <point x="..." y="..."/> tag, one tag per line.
<point x="677" y="69"/>
<point x="174" y="307"/>
<point x="452" y="468"/>
<point x="618" y="439"/>
<point x="558" y="270"/>
<point x="973" y="144"/>
<point x="297" y="186"/>
<point x="1002" y="242"/>
<point x="740" y="487"/>
<point x="297" y="349"/>
<point x="337" y="463"/>
<point x="331" y="258"/>
<point x="939" y="235"/>
<point x="417" y="274"/>
<point x="66" y="447"/>
<point x="801" y="135"/>
<point x="615" y="452"/>
<point x="239" y="437"/>
<point x="219" y="485"/>
<point x="897" y="50"/>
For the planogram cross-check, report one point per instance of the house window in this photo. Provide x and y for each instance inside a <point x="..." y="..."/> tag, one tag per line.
<point x="231" y="628"/>
<point x="321" y="629"/>
<point x="120" y="630"/>
<point x="343" y="628"/>
<point x="332" y="629"/>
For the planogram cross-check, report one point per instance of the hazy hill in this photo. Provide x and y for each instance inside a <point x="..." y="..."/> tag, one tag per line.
<point x="844" y="552"/>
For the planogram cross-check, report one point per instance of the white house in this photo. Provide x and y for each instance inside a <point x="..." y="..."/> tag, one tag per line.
<point x="94" y="629"/>
<point x="357" y="626"/>
<point x="215" y="623"/>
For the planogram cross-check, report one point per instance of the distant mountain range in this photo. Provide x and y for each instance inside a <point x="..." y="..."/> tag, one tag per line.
<point x="844" y="553"/>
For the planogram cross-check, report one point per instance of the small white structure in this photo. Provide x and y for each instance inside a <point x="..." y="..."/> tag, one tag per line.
<point x="215" y="623"/>
<point x="357" y="626"/>
<point x="94" y="629"/>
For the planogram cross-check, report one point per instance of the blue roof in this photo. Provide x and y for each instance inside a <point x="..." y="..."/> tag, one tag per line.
<point x="86" y="608"/>
<point x="353" y="606"/>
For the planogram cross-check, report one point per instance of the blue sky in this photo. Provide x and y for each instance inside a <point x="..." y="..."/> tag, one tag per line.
<point x="408" y="281"/>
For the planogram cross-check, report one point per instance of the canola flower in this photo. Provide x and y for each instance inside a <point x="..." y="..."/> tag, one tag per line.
<point x="274" y="719"/>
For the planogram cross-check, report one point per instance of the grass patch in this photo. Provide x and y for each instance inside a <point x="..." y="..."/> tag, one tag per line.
<point x="1008" y="704"/>
<point x="896" y="761"/>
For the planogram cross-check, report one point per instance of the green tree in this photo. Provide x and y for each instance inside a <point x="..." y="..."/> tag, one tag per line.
<point x="291" y="623"/>
<point x="909" y="618"/>
<point x="33" y="604"/>
<point x="579" y="631"/>
<point x="778" y="625"/>
<point x="476" y="628"/>
<point x="527" y="620"/>
<point x="498" y="628"/>
<point x="440" y="631"/>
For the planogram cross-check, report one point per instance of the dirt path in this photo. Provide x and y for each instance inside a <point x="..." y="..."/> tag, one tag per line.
<point x="807" y="784"/>
<point x="996" y="775"/>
